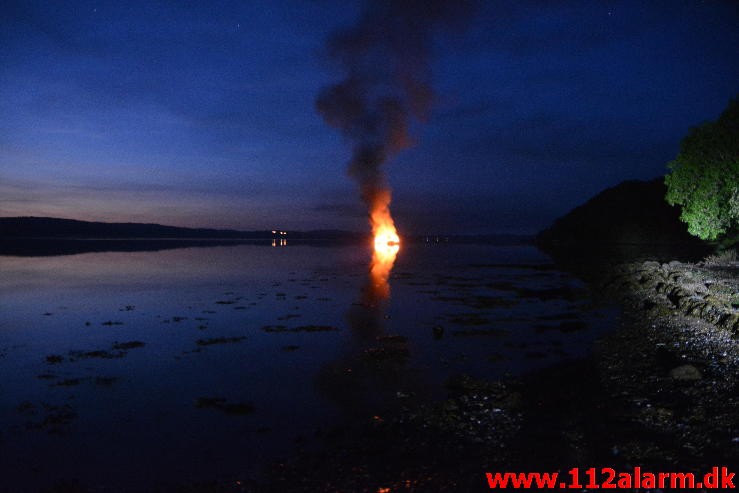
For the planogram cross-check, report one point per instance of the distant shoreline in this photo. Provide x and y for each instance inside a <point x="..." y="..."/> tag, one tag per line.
<point x="48" y="228"/>
<point x="56" y="246"/>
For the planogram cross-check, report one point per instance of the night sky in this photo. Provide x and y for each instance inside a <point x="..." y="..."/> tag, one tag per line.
<point x="204" y="113"/>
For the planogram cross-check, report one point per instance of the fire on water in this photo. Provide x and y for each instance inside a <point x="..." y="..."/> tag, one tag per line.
<point x="387" y="242"/>
<point x="387" y="245"/>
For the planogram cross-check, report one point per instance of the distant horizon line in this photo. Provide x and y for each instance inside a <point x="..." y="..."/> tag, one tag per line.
<point x="273" y="231"/>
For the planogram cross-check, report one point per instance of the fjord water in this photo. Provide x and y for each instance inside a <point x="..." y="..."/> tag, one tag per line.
<point x="249" y="350"/>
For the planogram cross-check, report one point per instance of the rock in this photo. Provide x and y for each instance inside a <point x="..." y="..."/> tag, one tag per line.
<point x="728" y="320"/>
<point x="686" y="373"/>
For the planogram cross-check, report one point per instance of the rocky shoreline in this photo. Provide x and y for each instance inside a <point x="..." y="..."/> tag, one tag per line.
<point x="674" y="362"/>
<point x="705" y="291"/>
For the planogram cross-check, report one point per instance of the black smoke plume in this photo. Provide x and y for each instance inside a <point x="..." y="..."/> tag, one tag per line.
<point x="386" y="84"/>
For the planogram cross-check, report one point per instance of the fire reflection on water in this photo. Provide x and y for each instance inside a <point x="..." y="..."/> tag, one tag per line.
<point x="383" y="259"/>
<point x="386" y="247"/>
<point x="356" y="381"/>
<point x="366" y="319"/>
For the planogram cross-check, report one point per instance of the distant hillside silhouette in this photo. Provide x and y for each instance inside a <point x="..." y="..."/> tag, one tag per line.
<point x="45" y="236"/>
<point x="633" y="213"/>
<point x="627" y="222"/>
<point x="47" y="227"/>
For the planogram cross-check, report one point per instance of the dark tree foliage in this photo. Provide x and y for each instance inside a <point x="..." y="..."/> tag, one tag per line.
<point x="704" y="177"/>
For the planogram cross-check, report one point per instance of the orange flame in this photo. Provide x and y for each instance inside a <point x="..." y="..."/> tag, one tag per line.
<point x="386" y="243"/>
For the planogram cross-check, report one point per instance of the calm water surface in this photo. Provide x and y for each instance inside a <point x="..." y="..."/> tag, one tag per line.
<point x="249" y="350"/>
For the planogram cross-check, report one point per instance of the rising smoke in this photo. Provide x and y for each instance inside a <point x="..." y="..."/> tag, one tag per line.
<point x="386" y="84"/>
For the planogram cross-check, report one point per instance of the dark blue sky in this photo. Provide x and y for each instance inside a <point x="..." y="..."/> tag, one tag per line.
<point x="203" y="113"/>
